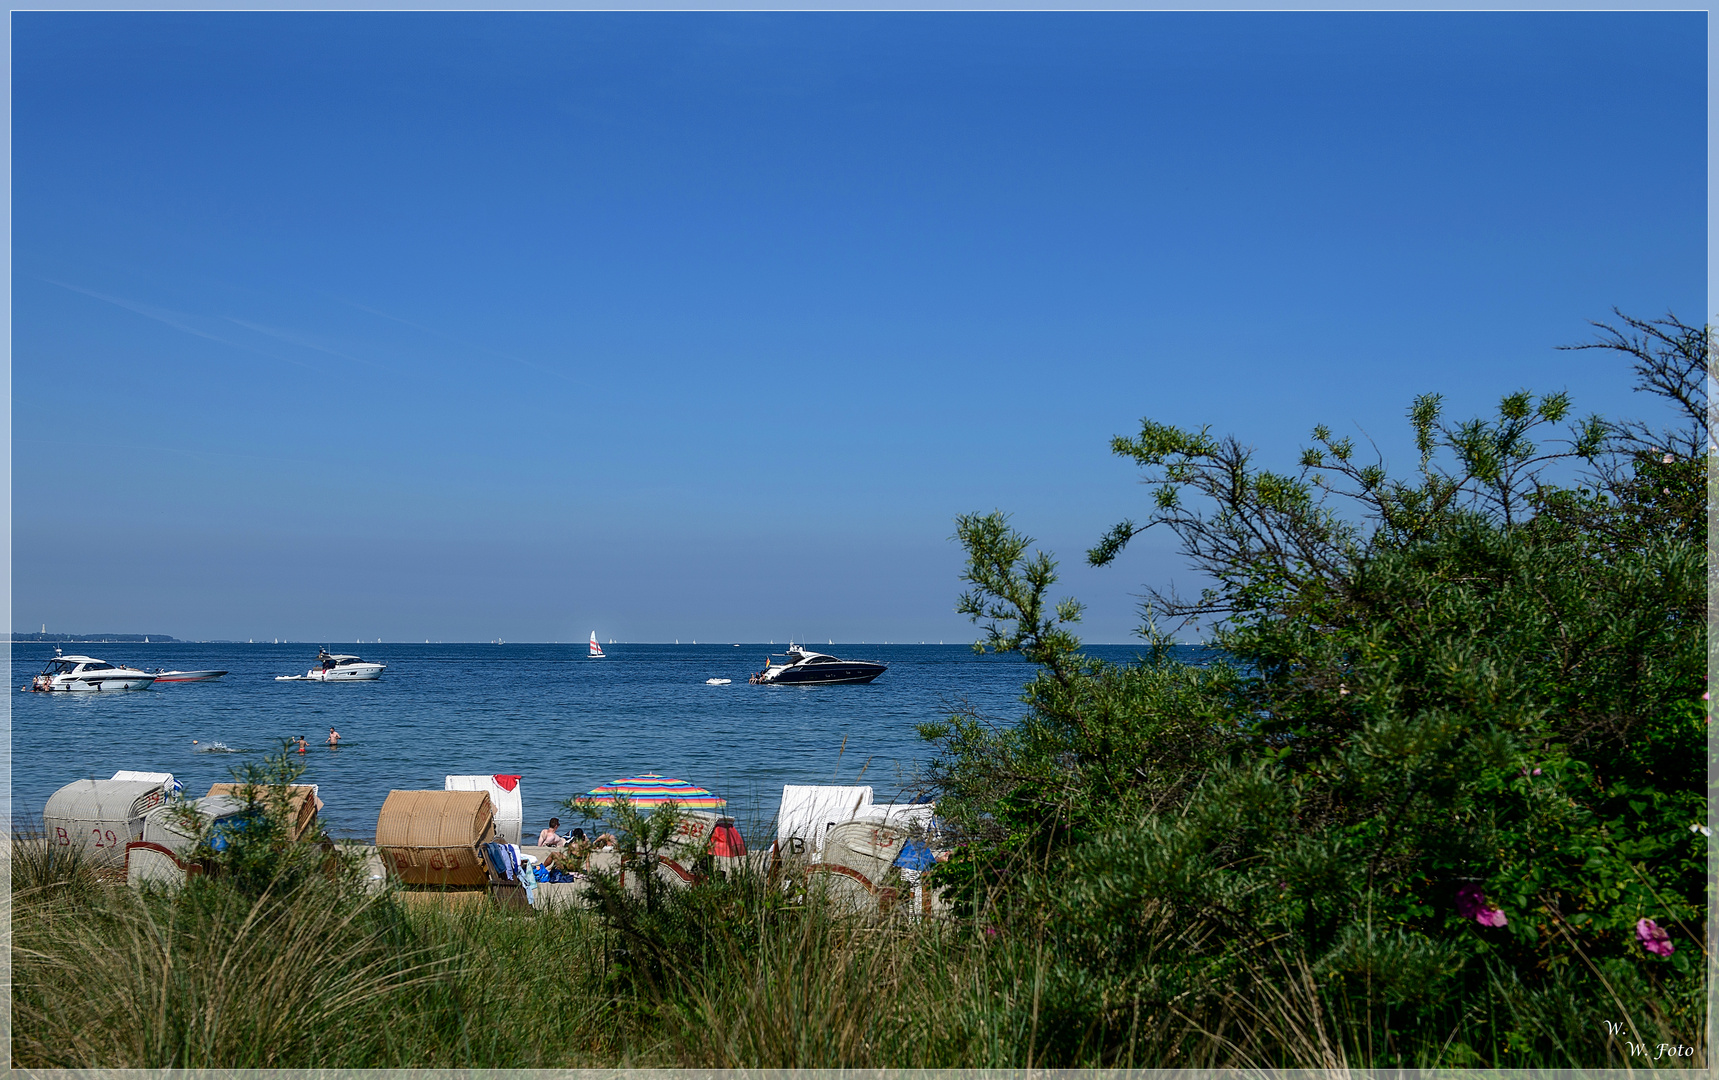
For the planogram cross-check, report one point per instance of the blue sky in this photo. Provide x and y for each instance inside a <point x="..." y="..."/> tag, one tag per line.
<point x="339" y="326"/>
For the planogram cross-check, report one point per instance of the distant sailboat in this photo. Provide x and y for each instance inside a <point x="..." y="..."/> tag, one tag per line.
<point x="596" y="652"/>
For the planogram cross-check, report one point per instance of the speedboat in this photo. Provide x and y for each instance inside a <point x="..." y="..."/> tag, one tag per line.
<point x="802" y="666"/>
<point x="88" y="673"/>
<point x="337" y="667"/>
<point x="186" y="676"/>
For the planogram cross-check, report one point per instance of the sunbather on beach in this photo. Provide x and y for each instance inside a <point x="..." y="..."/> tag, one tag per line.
<point x="550" y="837"/>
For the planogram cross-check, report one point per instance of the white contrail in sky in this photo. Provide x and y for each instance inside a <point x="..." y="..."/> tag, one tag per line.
<point x="175" y="319"/>
<point x="302" y="342"/>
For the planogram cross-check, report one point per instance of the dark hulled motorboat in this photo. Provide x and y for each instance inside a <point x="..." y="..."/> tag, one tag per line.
<point x="802" y="667"/>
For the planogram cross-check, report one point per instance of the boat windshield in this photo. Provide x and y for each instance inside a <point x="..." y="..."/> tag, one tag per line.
<point x="58" y="667"/>
<point x="97" y="666"/>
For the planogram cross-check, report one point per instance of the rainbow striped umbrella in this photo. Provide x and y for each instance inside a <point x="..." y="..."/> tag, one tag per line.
<point x="650" y="791"/>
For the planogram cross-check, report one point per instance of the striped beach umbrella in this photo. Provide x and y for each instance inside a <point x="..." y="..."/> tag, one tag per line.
<point x="650" y="791"/>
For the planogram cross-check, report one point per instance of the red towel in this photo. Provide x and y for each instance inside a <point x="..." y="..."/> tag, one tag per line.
<point x="507" y="783"/>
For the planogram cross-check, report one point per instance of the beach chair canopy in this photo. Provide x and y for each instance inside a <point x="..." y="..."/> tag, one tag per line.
<point x="165" y="779"/>
<point x="504" y="795"/>
<point x="302" y="803"/>
<point x="809" y="810"/>
<point x="163" y="825"/>
<point x="433" y="837"/>
<point x="101" y="816"/>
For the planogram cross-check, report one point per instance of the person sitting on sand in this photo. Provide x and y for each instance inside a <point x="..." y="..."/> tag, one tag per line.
<point x="607" y="842"/>
<point x="549" y="837"/>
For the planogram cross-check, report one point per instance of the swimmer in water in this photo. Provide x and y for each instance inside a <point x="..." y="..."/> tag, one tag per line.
<point x="333" y="737"/>
<point x="303" y="747"/>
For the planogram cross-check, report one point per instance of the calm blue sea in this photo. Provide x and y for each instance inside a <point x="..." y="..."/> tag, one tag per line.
<point x="566" y="723"/>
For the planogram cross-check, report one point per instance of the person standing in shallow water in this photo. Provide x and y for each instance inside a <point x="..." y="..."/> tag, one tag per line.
<point x="303" y="747"/>
<point x="333" y="737"/>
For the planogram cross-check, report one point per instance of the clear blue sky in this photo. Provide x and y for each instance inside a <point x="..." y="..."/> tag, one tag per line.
<point x="465" y="326"/>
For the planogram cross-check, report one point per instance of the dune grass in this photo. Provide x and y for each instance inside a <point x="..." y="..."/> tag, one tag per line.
<point x="327" y="976"/>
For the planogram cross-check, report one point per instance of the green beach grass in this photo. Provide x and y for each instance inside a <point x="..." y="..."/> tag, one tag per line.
<point x="726" y="975"/>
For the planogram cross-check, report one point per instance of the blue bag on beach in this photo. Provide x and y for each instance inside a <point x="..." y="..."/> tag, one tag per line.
<point x="915" y="855"/>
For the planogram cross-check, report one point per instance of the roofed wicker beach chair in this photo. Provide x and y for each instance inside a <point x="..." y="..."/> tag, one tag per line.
<point x="857" y="857"/>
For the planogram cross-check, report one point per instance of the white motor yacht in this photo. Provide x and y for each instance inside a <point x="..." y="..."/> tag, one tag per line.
<point x="337" y="667"/>
<point x="88" y="673"/>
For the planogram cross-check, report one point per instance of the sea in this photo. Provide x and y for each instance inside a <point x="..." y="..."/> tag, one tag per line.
<point x="561" y="721"/>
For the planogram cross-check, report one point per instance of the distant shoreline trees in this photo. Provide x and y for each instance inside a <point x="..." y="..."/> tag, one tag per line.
<point x="90" y="639"/>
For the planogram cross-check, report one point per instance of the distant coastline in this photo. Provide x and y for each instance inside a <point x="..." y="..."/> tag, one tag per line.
<point x="91" y="639"/>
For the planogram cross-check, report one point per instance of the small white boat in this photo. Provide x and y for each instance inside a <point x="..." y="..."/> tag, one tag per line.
<point x="596" y="652"/>
<point x="717" y="682"/>
<point x="337" y="667"/>
<point x="71" y="673"/>
<point x="187" y="676"/>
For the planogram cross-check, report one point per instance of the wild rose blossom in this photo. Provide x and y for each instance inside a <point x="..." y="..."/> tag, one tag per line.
<point x="1654" y="938"/>
<point x="1471" y="904"/>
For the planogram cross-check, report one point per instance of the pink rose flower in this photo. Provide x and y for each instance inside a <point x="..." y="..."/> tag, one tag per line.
<point x="1654" y="938"/>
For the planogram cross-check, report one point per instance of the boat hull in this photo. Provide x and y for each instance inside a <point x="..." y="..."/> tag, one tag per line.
<point x="355" y="673"/>
<point x="848" y="671"/>
<point x="187" y="676"/>
<point x="96" y="683"/>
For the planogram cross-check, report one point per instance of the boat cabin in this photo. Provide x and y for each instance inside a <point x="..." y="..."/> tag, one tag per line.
<point x="67" y="665"/>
